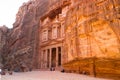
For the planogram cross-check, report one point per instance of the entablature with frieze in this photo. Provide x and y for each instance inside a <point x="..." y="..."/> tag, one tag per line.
<point x="51" y="42"/>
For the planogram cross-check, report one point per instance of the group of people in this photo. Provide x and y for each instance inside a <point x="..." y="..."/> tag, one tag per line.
<point x="53" y="69"/>
<point x="3" y="72"/>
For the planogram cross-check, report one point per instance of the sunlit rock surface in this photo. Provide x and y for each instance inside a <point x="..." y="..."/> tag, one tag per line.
<point x="92" y="29"/>
<point x="93" y="32"/>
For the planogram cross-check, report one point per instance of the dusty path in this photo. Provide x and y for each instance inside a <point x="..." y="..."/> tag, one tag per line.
<point x="47" y="75"/>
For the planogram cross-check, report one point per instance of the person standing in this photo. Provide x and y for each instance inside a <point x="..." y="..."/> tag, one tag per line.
<point x="0" y="70"/>
<point x="0" y="73"/>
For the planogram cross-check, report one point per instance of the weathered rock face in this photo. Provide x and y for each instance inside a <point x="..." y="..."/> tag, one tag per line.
<point x="92" y="41"/>
<point x="22" y="38"/>
<point x="3" y="37"/>
<point x="21" y="46"/>
<point x="93" y="29"/>
<point x="90" y="31"/>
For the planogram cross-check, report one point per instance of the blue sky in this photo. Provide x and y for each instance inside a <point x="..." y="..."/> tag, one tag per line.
<point x="8" y="11"/>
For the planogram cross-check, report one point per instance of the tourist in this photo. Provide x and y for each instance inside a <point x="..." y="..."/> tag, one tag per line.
<point x="9" y="71"/>
<point x="23" y="67"/>
<point x="52" y="69"/>
<point x="62" y="70"/>
<point x="30" y="69"/>
<point x="0" y="73"/>
<point x="0" y="70"/>
<point x="84" y="72"/>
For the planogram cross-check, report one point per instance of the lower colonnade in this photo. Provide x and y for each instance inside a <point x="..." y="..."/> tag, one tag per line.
<point x="50" y="57"/>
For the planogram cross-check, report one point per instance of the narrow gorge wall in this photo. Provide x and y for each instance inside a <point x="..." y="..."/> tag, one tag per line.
<point x="3" y="39"/>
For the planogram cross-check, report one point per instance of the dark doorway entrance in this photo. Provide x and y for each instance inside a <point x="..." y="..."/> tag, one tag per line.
<point x="53" y="57"/>
<point x="59" y="56"/>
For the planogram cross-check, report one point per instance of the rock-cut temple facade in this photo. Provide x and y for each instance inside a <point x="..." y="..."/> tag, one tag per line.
<point x="51" y="35"/>
<point x="79" y="29"/>
<point x="77" y="35"/>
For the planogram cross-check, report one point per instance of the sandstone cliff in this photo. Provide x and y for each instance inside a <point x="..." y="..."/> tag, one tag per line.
<point x="3" y="39"/>
<point x="92" y="42"/>
<point x="93" y="29"/>
<point x="21" y="47"/>
<point x="21" y="43"/>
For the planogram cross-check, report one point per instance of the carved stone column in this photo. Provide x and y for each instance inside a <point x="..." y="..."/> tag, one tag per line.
<point x="46" y="58"/>
<point x="56" y="56"/>
<point x="62" y="54"/>
<point x="41" y="59"/>
<point x="50" y="57"/>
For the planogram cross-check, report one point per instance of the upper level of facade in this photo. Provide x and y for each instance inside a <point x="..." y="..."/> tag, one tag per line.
<point x="52" y="23"/>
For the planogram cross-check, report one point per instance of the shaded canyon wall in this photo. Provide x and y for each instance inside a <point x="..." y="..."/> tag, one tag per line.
<point x="3" y="39"/>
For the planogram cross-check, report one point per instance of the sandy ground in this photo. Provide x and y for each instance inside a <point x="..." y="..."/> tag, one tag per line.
<point x="47" y="75"/>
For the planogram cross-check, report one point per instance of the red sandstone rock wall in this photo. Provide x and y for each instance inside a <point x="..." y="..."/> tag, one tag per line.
<point x="21" y="48"/>
<point x="3" y="39"/>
